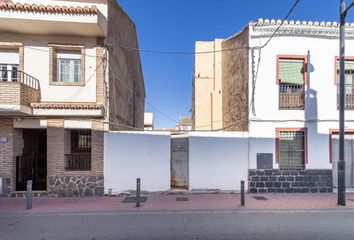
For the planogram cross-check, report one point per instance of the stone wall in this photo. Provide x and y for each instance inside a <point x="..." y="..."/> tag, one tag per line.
<point x="75" y="186"/>
<point x="290" y="181"/>
<point x="126" y="83"/>
<point x="235" y="76"/>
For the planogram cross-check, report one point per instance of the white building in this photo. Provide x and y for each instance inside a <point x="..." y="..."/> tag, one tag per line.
<point x="283" y="92"/>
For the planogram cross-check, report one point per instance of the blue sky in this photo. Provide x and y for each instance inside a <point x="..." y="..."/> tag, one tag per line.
<point x="175" y="25"/>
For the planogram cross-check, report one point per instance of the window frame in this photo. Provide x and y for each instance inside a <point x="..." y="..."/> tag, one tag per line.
<point x="69" y="59"/>
<point x="336" y="58"/>
<point x="278" y="130"/>
<point x="336" y="82"/>
<point x="53" y="66"/>
<point x="79" y="159"/>
<point x="17" y="46"/>
<point x="333" y="131"/>
<point x="278" y="83"/>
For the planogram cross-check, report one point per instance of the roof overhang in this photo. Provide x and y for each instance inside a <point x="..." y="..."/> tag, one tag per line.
<point x="50" y="23"/>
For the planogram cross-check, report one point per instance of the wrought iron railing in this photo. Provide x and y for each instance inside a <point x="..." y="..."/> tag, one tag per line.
<point x="14" y="75"/>
<point x="291" y="96"/>
<point x="349" y="96"/>
<point x="78" y="161"/>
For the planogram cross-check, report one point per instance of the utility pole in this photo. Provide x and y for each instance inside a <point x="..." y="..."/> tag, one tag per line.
<point x="341" y="162"/>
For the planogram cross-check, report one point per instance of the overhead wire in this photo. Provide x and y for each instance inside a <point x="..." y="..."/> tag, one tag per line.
<point x="170" y="53"/>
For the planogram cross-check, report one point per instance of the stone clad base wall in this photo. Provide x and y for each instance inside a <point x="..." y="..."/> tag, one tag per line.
<point x="290" y="181"/>
<point x="7" y="187"/>
<point x="75" y="186"/>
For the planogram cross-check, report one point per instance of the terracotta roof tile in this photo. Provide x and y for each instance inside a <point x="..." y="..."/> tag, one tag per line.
<point x="9" y="5"/>
<point x="86" y="106"/>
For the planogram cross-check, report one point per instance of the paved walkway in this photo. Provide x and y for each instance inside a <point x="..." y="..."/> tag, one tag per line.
<point x="168" y="202"/>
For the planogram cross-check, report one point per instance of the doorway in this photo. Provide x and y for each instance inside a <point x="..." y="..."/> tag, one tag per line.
<point x="179" y="162"/>
<point x="348" y="158"/>
<point x="32" y="164"/>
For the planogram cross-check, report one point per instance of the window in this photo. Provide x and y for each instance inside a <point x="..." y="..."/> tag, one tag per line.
<point x="291" y="80"/>
<point x="291" y="149"/>
<point x="68" y="66"/>
<point x="80" y="156"/>
<point x="349" y="91"/>
<point x="9" y="65"/>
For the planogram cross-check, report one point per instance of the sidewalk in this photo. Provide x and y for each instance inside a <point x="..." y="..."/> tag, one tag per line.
<point x="168" y="202"/>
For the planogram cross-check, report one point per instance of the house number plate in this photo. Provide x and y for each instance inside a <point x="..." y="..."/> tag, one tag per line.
<point x="3" y="140"/>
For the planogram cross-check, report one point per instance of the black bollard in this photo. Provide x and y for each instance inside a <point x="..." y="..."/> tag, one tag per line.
<point x="138" y="192"/>
<point x="242" y="193"/>
<point x="29" y="194"/>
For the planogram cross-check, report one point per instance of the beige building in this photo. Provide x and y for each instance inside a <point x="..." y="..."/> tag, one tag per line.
<point x="64" y="81"/>
<point x="207" y="88"/>
<point x="220" y="81"/>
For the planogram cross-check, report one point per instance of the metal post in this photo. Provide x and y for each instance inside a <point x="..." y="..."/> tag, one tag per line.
<point x="29" y="194"/>
<point x="341" y="162"/>
<point x="138" y="192"/>
<point x="242" y="193"/>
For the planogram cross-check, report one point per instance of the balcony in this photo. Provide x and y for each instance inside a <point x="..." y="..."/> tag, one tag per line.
<point x="349" y="97"/>
<point x="17" y="91"/>
<point x="291" y="97"/>
<point x="40" y="19"/>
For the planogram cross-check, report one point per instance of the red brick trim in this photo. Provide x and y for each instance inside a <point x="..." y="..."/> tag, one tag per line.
<point x="277" y="130"/>
<point x="299" y="57"/>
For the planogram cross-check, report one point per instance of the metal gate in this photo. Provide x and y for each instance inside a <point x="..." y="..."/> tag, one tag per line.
<point x="179" y="161"/>
<point x="31" y="167"/>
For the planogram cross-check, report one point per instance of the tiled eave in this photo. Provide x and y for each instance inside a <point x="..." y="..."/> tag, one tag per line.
<point x="25" y="7"/>
<point x="265" y="28"/>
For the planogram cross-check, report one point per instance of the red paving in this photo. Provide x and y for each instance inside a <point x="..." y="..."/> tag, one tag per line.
<point x="168" y="202"/>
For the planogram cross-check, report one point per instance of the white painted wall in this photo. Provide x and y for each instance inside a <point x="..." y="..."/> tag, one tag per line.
<point x="218" y="160"/>
<point x="320" y="100"/>
<point x="131" y="155"/>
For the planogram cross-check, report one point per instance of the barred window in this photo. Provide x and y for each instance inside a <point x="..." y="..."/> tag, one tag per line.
<point x="80" y="157"/>
<point x="292" y="149"/>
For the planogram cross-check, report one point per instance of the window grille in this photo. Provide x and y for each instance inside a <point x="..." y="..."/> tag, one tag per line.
<point x="292" y="150"/>
<point x="80" y="156"/>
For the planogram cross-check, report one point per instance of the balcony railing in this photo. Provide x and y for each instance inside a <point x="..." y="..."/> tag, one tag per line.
<point x="14" y="75"/>
<point x="349" y="96"/>
<point x="78" y="161"/>
<point x="291" y="96"/>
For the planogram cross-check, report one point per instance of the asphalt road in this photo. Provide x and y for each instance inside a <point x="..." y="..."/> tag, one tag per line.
<point x="181" y="225"/>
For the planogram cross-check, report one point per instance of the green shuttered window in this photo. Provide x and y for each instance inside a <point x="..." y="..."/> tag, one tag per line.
<point x="291" y="71"/>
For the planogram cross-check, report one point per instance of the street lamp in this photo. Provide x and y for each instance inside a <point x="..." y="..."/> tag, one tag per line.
<point x="341" y="162"/>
